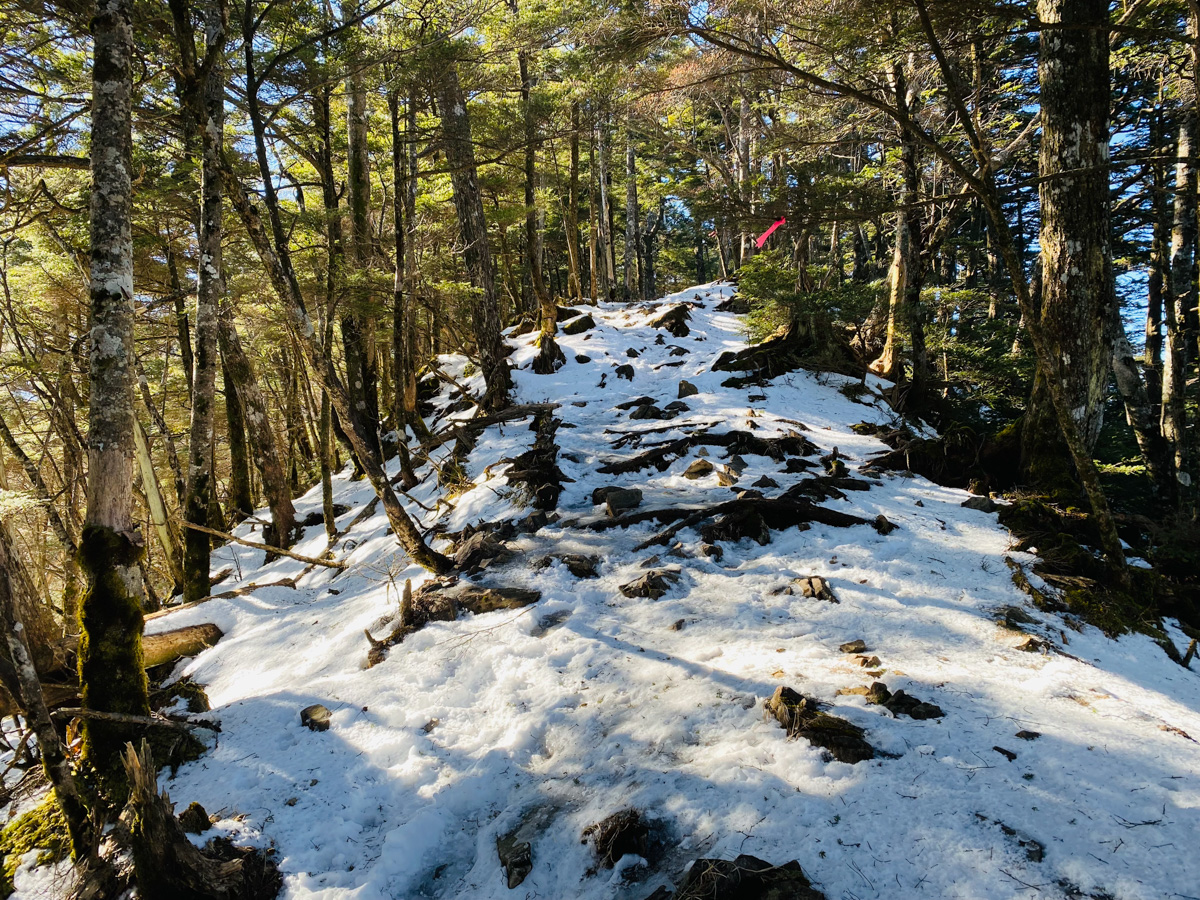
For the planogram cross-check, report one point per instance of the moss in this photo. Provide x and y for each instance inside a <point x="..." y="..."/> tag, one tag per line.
<point x="186" y="690"/>
<point x="42" y="828"/>
<point x="111" y="667"/>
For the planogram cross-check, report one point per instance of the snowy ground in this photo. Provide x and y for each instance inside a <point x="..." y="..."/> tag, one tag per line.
<point x="588" y="702"/>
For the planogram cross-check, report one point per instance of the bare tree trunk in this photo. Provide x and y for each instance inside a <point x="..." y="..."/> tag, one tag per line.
<point x="358" y="319"/>
<point x="210" y="285"/>
<point x="574" y="282"/>
<point x="631" y="222"/>
<point x="110" y="652"/>
<point x="468" y="201"/>
<point x="401" y="362"/>
<point x="607" y="278"/>
<point x="263" y="443"/>
<point x="241" y="493"/>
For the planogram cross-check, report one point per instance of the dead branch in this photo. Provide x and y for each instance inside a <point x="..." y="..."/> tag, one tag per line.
<point x="276" y="551"/>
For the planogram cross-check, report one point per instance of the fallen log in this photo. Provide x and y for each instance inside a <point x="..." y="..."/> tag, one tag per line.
<point x="223" y="595"/>
<point x="168" y="646"/>
<point x="271" y="551"/>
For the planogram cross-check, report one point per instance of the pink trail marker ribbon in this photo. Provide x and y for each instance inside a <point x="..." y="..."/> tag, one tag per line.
<point x="762" y="238"/>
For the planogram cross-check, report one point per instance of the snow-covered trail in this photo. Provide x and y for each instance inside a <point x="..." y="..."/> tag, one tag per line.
<point x="590" y="702"/>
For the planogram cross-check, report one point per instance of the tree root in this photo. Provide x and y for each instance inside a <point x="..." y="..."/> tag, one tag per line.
<point x="734" y="441"/>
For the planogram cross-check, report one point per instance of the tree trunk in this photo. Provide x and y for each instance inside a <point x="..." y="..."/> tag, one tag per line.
<point x="401" y="363"/>
<point x="574" y="281"/>
<point x="210" y="285"/>
<point x="159" y="515"/>
<point x="241" y="492"/>
<point x="55" y="763"/>
<point x="110" y="653"/>
<point x="1076" y="257"/>
<point x="358" y="318"/>
<point x="468" y="201"/>
<point x="607" y="277"/>
<point x="263" y="443"/>
<point x="1182" y="299"/>
<point x="631" y="222"/>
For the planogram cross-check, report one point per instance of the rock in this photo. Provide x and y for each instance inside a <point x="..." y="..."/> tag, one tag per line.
<point x="625" y="372"/>
<point x="600" y="494"/>
<point x="797" y="466"/>
<point x="635" y="402"/>
<point x="579" y="403"/>
<point x="703" y="451"/>
<point x="648" y="411"/>
<point x="868" y="662"/>
<point x="687" y="389"/>
<point x="859" y="646"/>
<point x="653" y="584"/>
<point x="674" y="320"/>
<point x="581" y="359"/>
<point x="315" y="717"/>
<point x="581" y="566"/>
<point x="982" y="504"/>
<point x="901" y="704"/>
<point x="1033" y="645"/>
<point x="1013" y="617"/>
<point x="579" y="324"/>
<point x="480" y="551"/>
<point x="698" y="469"/>
<point x="194" y="819"/>
<point x="1028" y="735"/>
<point x="623" y="833"/>
<point x="726" y="477"/>
<point x="632" y="354"/>
<point x="566" y="313"/>
<point x="675" y="407"/>
<point x="622" y="500"/>
<point x="733" y="526"/>
<point x="712" y="551"/>
<point x="737" y="463"/>
<point x="800" y="716"/>
<point x="516" y="858"/>
<point x="747" y="494"/>
<point x="650" y="562"/>
<point x="678" y="624"/>
<point x="679" y="351"/>
<point x="817" y="587"/>
<point x="766" y="482"/>
<point x="883" y="526"/>
<point x="744" y="878"/>
<point x="549" y="622"/>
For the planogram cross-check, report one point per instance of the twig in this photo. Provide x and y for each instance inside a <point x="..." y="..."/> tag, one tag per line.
<point x="312" y="561"/>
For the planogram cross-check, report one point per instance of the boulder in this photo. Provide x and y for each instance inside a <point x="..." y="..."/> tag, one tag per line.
<point x="622" y="833"/>
<point x="743" y="878"/>
<point x="315" y="717"/>
<point x="982" y="504"/>
<point x="859" y="646"/>
<point x="622" y="500"/>
<point x="649" y="411"/>
<point x="698" y="469"/>
<point x="625" y="372"/>
<point x="652" y="585"/>
<point x="901" y="704"/>
<point x="687" y="389"/>
<point x="579" y="324"/>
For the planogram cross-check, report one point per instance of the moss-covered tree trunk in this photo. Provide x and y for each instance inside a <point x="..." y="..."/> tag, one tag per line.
<point x="1075" y="243"/>
<point x="111" y="673"/>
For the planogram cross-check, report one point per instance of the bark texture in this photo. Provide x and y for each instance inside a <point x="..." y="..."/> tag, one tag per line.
<point x="1076" y="258"/>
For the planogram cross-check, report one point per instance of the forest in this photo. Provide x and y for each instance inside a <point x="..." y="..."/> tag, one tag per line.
<point x="305" y="302"/>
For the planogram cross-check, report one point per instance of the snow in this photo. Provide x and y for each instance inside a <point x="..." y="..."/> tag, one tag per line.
<point x="588" y="702"/>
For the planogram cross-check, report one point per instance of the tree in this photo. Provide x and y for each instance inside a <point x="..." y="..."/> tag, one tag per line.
<point x="111" y="672"/>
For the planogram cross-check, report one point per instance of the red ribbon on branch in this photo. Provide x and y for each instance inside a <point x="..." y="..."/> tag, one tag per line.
<point x="762" y="238"/>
